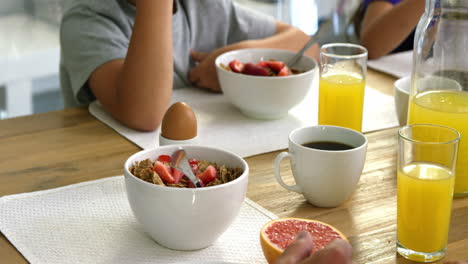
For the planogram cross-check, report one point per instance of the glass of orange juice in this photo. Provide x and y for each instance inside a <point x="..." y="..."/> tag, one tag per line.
<point x="427" y="158"/>
<point x="341" y="87"/>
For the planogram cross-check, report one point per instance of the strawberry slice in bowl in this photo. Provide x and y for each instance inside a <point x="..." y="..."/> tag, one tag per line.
<point x="208" y="175"/>
<point x="164" y="172"/>
<point x="236" y="66"/>
<point x="194" y="165"/>
<point x="275" y="65"/>
<point x="253" y="69"/>
<point x="284" y="71"/>
<point x="164" y="159"/>
<point x="177" y="175"/>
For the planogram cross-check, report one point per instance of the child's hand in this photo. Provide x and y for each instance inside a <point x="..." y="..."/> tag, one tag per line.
<point x="204" y="74"/>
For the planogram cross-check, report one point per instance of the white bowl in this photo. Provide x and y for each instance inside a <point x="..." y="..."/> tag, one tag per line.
<point x="183" y="218"/>
<point x="265" y="97"/>
<point x="401" y="89"/>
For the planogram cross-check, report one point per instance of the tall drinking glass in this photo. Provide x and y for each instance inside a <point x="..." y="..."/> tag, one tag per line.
<point x="426" y="176"/>
<point x="341" y="89"/>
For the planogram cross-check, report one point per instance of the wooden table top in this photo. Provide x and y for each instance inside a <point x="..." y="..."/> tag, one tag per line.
<point x="59" y="148"/>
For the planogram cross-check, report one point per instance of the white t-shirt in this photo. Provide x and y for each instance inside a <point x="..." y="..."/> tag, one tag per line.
<point x="94" y="32"/>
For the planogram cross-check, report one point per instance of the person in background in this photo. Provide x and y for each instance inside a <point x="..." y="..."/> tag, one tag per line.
<point x="130" y="54"/>
<point x="337" y="252"/>
<point x="387" y="26"/>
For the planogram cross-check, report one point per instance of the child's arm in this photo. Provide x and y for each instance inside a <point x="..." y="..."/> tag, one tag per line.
<point x="385" y="25"/>
<point x="287" y="37"/>
<point x="136" y="90"/>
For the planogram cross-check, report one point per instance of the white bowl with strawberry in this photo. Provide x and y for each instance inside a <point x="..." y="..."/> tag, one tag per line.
<point x="258" y="82"/>
<point x="185" y="218"/>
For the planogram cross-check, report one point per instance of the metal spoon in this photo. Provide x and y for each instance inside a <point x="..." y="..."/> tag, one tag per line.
<point x="300" y="53"/>
<point x="179" y="161"/>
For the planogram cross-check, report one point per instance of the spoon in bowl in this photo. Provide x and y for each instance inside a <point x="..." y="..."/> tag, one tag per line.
<point x="300" y="53"/>
<point x="179" y="161"/>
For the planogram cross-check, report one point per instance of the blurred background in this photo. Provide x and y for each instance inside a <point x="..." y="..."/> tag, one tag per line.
<point x="30" y="50"/>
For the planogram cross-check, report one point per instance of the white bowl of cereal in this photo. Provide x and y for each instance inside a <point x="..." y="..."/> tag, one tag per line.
<point x="184" y="218"/>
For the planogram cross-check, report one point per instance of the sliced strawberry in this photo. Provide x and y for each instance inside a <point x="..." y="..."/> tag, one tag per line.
<point x="263" y="64"/>
<point x="208" y="175"/>
<point x="236" y="66"/>
<point x="276" y="66"/>
<point x="194" y="165"/>
<point x="164" y="159"/>
<point x="164" y="172"/>
<point x="194" y="168"/>
<point x="177" y="175"/>
<point x="284" y="71"/>
<point x="253" y="69"/>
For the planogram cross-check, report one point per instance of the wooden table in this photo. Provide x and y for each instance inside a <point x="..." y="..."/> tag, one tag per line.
<point x="54" y="149"/>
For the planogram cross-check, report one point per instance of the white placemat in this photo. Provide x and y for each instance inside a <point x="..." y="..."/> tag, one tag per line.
<point x="222" y="125"/>
<point x="92" y="222"/>
<point x="397" y="64"/>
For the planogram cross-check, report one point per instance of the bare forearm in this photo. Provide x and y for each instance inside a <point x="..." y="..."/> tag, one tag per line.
<point x="145" y="85"/>
<point x="288" y="38"/>
<point x="384" y="33"/>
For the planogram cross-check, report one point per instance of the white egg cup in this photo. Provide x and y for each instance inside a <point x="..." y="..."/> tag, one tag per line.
<point x="165" y="141"/>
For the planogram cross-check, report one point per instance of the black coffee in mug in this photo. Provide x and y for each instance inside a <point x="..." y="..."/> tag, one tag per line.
<point x="327" y="145"/>
<point x="325" y="178"/>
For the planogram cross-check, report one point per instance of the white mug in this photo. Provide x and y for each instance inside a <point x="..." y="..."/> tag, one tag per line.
<point x="326" y="178"/>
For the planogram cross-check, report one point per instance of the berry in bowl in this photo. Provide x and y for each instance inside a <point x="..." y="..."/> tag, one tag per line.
<point x="262" y="68"/>
<point x="171" y="211"/>
<point x="258" y="82"/>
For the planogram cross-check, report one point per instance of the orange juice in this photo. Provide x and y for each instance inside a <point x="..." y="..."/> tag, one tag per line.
<point x="424" y="203"/>
<point x="341" y="100"/>
<point x="447" y="108"/>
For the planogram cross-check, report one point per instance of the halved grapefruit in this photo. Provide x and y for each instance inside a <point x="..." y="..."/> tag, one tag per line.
<point x="277" y="234"/>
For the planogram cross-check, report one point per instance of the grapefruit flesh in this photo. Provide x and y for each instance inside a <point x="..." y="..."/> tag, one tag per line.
<point x="277" y="234"/>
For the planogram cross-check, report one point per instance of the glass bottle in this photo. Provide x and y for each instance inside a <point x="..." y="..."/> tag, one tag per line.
<point x="439" y="92"/>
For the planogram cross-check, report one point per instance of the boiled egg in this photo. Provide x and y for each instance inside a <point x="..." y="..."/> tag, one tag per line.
<point x="179" y="122"/>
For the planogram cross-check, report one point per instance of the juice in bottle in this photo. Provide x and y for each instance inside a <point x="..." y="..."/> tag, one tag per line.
<point x="341" y="100"/>
<point x="447" y="108"/>
<point x="425" y="193"/>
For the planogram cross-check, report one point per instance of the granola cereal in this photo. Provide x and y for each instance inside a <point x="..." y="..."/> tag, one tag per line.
<point x="145" y="171"/>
